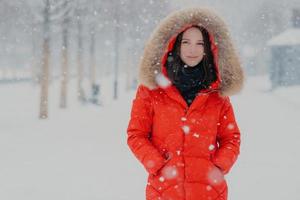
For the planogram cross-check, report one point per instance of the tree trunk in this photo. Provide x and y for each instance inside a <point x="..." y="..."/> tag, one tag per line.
<point x="92" y="57"/>
<point x="80" y="91"/>
<point x="116" y="63"/>
<point x="45" y="65"/>
<point x="65" y="72"/>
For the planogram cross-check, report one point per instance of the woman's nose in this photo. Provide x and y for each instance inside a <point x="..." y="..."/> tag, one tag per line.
<point x="192" y="49"/>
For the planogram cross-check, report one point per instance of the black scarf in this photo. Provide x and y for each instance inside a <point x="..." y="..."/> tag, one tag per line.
<point x="190" y="81"/>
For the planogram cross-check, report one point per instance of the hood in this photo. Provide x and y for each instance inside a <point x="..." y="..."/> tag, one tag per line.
<point x="229" y="71"/>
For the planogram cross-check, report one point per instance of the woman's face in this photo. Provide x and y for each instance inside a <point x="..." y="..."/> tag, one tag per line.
<point x="192" y="47"/>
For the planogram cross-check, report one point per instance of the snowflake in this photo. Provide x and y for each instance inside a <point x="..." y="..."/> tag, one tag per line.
<point x="186" y="129"/>
<point x="161" y="179"/>
<point x="169" y="172"/>
<point x="211" y="147"/>
<point x="196" y="135"/>
<point x="162" y="81"/>
<point x="230" y="126"/>
<point x="183" y="118"/>
<point x="208" y="187"/>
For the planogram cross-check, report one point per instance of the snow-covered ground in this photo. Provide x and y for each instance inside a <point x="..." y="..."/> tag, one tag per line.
<point x="81" y="152"/>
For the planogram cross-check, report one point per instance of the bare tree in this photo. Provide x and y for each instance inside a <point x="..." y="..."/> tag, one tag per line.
<point x="45" y="63"/>
<point x="92" y="21"/>
<point x="65" y="61"/>
<point x="53" y="12"/>
<point x="117" y="39"/>
<point x="92" y="61"/>
<point x="79" y="12"/>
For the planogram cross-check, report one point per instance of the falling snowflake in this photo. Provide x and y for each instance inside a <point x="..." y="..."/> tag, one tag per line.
<point x="183" y="118"/>
<point x="196" y="135"/>
<point x="161" y="179"/>
<point x="215" y="176"/>
<point x="230" y="126"/>
<point x="162" y="81"/>
<point x="170" y="58"/>
<point x="211" y="147"/>
<point x="186" y="129"/>
<point x="208" y="187"/>
<point x="169" y="172"/>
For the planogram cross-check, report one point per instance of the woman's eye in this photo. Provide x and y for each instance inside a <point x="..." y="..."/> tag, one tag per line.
<point x="184" y="42"/>
<point x="201" y="43"/>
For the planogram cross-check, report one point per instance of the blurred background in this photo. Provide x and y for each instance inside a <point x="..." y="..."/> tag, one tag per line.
<point x="68" y="74"/>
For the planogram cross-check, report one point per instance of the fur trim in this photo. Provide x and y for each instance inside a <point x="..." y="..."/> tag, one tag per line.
<point x="231" y="73"/>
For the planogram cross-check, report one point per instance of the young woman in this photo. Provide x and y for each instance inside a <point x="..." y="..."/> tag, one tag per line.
<point x="182" y="126"/>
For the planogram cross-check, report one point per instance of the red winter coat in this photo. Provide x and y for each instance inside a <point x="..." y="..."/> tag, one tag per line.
<point x="186" y="150"/>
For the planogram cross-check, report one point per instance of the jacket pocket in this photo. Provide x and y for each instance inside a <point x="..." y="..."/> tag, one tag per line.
<point x="166" y="176"/>
<point x="204" y="171"/>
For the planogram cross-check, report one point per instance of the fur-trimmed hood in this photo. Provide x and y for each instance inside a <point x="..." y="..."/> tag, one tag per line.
<point x="229" y="68"/>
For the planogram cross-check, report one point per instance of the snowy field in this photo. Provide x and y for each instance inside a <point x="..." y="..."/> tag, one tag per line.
<point x="81" y="153"/>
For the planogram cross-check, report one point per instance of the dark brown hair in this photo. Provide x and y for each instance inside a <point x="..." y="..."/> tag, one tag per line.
<point x="174" y="61"/>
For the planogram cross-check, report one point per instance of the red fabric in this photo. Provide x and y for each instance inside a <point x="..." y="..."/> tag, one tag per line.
<point x="186" y="150"/>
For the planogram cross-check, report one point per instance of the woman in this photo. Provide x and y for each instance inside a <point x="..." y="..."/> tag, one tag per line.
<point x="182" y="126"/>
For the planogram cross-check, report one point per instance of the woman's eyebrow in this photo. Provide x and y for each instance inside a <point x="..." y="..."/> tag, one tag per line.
<point x="189" y="39"/>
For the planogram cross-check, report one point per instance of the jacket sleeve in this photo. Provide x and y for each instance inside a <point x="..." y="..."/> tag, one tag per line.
<point x="228" y="138"/>
<point x="139" y="131"/>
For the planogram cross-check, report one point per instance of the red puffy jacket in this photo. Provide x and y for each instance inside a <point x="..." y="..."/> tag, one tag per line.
<point x="186" y="150"/>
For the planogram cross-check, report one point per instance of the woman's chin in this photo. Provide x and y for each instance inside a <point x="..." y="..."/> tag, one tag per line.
<point x="192" y="64"/>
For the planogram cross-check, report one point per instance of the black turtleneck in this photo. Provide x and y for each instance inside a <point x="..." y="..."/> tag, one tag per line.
<point x="189" y="81"/>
